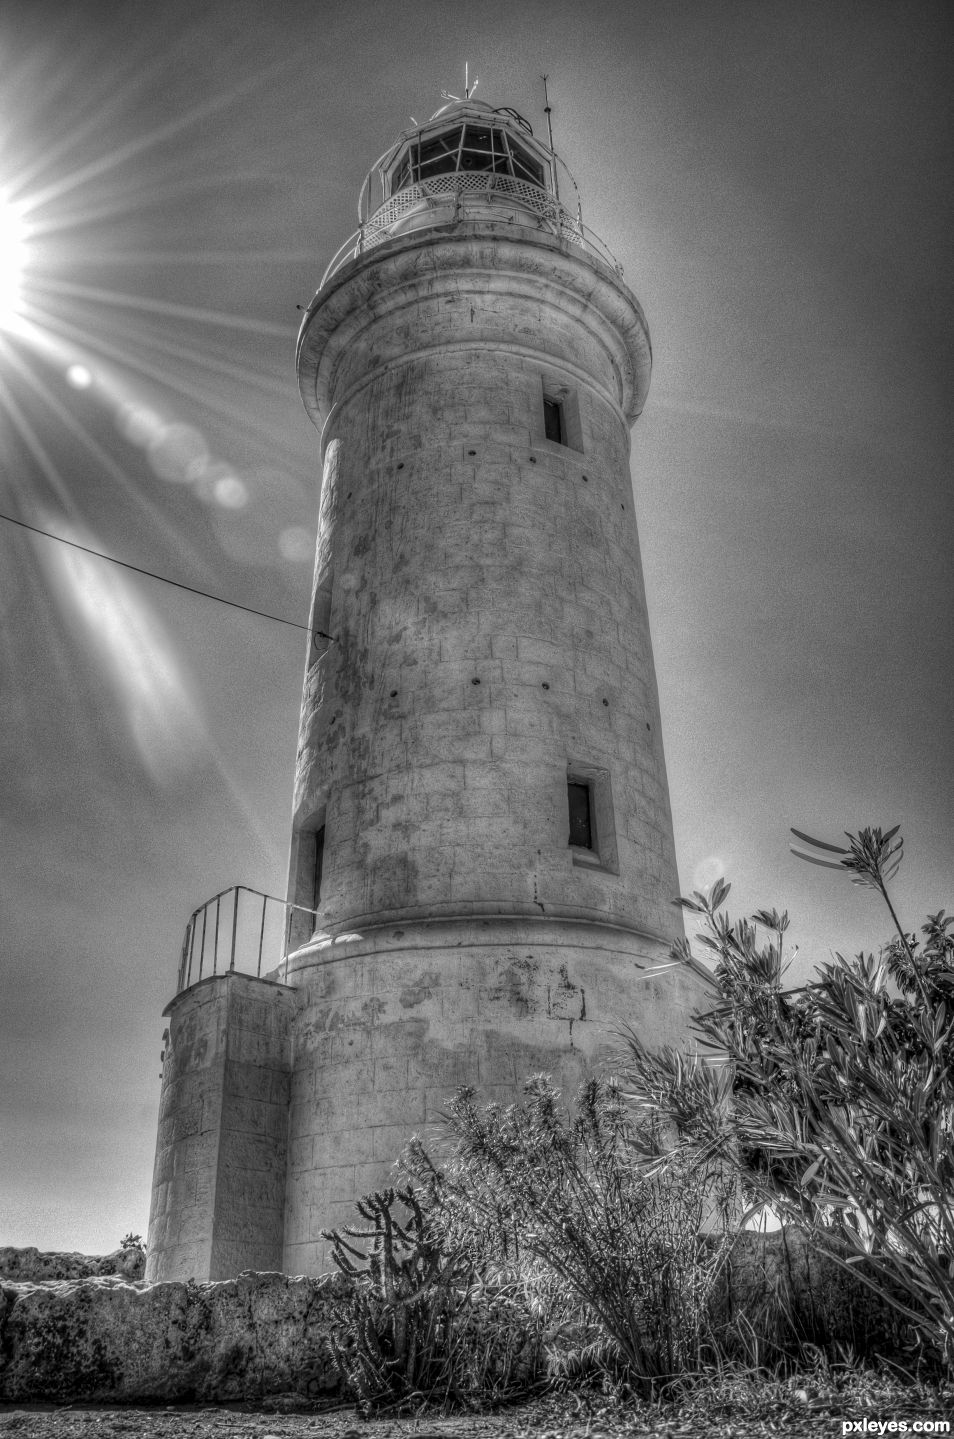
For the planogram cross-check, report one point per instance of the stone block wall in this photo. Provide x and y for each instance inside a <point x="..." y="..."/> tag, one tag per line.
<point x="480" y="644"/>
<point x="392" y="1024"/>
<point x="219" y="1179"/>
<point x="483" y="588"/>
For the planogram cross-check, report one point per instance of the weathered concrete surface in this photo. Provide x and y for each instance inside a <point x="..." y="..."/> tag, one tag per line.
<point x="484" y="589"/>
<point x="218" y="1189"/>
<point x="392" y="1023"/>
<point x="111" y="1339"/>
<point x="36" y="1265"/>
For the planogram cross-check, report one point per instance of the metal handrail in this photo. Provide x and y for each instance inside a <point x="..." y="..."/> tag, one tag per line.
<point x="465" y="187"/>
<point x="205" y="945"/>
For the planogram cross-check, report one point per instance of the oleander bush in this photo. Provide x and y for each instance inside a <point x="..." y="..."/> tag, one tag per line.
<point x="834" y="1103"/>
<point x="535" y="1249"/>
<point x="616" y="1261"/>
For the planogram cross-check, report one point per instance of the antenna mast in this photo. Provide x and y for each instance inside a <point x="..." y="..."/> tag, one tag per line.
<point x="546" y="111"/>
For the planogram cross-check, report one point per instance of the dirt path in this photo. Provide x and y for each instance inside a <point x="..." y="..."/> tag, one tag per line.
<point x="781" y="1411"/>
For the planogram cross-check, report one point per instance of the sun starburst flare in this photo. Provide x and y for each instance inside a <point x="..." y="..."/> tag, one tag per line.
<point x="13" y="258"/>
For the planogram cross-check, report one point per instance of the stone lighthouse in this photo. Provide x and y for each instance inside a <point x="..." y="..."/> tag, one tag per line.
<point x="482" y="862"/>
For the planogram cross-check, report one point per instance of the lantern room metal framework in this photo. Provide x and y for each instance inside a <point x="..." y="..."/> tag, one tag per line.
<point x="468" y="156"/>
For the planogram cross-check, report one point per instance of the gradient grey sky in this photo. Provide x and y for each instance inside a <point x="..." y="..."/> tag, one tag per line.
<point x="775" y="179"/>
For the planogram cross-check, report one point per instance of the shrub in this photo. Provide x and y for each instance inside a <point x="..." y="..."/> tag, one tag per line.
<point x="835" y="1102"/>
<point x="633" y="1271"/>
<point x="419" y="1324"/>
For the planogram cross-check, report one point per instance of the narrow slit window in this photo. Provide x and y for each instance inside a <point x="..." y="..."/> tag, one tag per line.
<point x="304" y="889"/>
<point x="581" y="816"/>
<point x="553" y="426"/>
<point x="592" y="841"/>
<point x="319" y="862"/>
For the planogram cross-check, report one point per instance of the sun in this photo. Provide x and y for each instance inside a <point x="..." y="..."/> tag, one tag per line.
<point x="13" y="255"/>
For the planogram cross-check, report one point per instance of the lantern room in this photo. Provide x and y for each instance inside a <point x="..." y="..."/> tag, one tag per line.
<point x="487" y="142"/>
<point x="471" y="162"/>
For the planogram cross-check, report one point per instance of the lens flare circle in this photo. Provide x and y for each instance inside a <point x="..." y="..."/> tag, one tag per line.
<point x="230" y="492"/>
<point x="79" y="377"/>
<point x="707" y="871"/>
<point x="296" y="543"/>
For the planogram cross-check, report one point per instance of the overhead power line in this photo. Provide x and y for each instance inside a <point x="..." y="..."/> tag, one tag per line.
<point x="163" y="579"/>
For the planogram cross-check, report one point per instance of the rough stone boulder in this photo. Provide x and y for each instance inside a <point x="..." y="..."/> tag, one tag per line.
<point x="111" y="1339"/>
<point x="38" y="1266"/>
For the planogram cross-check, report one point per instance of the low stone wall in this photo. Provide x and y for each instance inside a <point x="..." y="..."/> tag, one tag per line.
<point x="38" y="1266"/>
<point x="111" y="1339"/>
<point x="116" y="1340"/>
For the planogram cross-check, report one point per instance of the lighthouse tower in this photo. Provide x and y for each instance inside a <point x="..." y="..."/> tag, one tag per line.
<point x="482" y="863"/>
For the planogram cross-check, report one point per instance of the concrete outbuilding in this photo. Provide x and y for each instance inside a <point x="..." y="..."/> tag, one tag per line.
<point x="482" y="862"/>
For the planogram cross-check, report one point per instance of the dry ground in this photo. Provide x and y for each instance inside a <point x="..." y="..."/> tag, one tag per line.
<point x="727" y="1409"/>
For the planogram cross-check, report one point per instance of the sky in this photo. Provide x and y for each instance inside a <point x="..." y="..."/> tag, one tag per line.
<point x="774" y="179"/>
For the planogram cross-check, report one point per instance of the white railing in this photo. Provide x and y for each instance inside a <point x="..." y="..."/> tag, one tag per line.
<point x="230" y="932"/>
<point x="464" y="187"/>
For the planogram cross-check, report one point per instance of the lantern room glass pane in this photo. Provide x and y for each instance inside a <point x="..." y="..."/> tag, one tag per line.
<point x="469" y="148"/>
<point x="402" y="175"/>
<point x="476" y="160"/>
<point x="439" y="155"/>
<point x="479" y="137"/>
<point x="525" y="167"/>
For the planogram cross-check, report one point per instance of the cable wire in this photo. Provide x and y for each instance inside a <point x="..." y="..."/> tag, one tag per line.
<point x="151" y="574"/>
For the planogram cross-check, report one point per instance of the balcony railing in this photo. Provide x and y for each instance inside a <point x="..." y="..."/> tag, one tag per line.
<point x="235" y="930"/>
<point x="470" y="190"/>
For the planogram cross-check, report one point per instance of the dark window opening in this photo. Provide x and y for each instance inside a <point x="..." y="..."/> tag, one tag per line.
<point x="319" y="861"/>
<point x="321" y="617"/>
<point x="553" y="421"/>
<point x="581" y="823"/>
